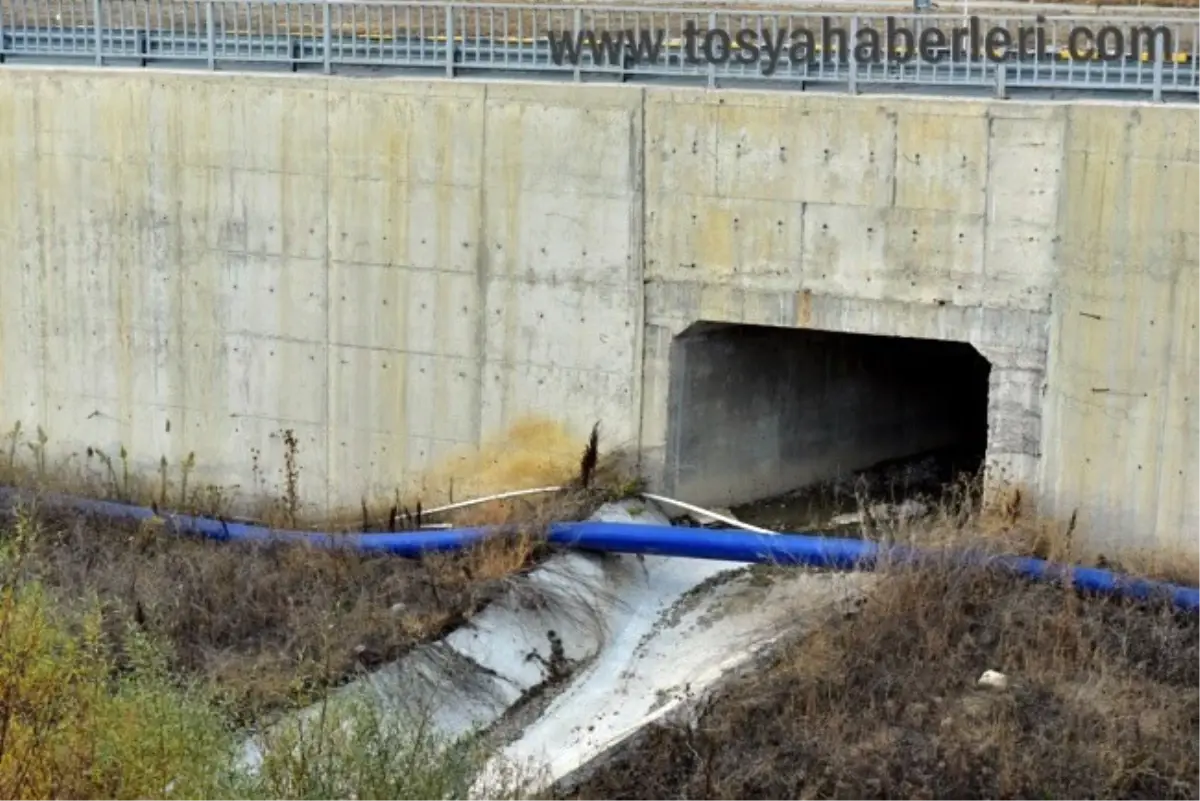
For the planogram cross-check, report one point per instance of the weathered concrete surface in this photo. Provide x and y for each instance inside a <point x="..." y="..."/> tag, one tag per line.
<point x="890" y="217"/>
<point x="391" y="268"/>
<point x="676" y="635"/>
<point x="1016" y="227"/>
<point x="193" y="263"/>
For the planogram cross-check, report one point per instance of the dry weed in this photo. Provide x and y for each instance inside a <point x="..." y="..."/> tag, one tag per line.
<point x="271" y="624"/>
<point x="1006" y="522"/>
<point x="1102" y="700"/>
<point x="275" y="625"/>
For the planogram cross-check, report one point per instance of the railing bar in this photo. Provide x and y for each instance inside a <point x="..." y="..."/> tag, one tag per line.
<point x="512" y="37"/>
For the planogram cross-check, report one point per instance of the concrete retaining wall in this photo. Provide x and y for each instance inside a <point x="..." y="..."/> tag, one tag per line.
<point x="1060" y="239"/>
<point x="390" y="268"/>
<point x="194" y="263"/>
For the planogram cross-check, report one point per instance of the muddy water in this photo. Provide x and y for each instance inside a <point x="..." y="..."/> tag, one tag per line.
<point x="928" y="477"/>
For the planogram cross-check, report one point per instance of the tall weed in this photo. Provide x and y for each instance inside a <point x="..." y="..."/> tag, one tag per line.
<point x="77" y="723"/>
<point x="359" y="749"/>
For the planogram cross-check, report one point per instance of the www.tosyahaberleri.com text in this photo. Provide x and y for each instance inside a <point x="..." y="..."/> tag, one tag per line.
<point x="895" y="44"/>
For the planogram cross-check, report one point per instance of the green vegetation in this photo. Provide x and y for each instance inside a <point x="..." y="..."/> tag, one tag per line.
<point x="76" y="721"/>
<point x="94" y="706"/>
<point x="137" y="663"/>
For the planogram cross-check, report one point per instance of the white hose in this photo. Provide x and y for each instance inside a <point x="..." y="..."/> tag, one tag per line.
<point x="730" y="521"/>
<point x="727" y="520"/>
<point x="498" y="497"/>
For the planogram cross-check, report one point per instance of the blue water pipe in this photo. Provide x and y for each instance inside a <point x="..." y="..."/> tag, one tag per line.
<point x="730" y="545"/>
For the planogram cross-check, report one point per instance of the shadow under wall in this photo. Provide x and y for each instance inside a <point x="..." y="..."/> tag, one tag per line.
<point x="757" y="411"/>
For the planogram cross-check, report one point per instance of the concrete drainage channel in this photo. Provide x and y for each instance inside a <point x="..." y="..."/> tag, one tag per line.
<point x="685" y="628"/>
<point x="589" y="648"/>
<point x="638" y="621"/>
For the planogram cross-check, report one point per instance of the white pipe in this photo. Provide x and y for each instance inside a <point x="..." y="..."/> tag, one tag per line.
<point x="498" y="497"/>
<point x="659" y="498"/>
<point x="727" y="520"/>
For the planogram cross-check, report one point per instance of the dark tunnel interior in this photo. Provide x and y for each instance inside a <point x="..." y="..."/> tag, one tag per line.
<point x="757" y="411"/>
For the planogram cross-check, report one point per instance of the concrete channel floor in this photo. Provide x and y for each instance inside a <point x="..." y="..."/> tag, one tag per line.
<point x="589" y="648"/>
<point x="684" y="626"/>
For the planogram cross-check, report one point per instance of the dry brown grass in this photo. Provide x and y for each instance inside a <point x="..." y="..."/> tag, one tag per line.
<point x="270" y="624"/>
<point x="1006" y="521"/>
<point x="275" y="625"/>
<point x="1102" y="703"/>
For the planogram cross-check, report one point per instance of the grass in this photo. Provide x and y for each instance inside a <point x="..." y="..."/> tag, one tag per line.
<point x="271" y="624"/>
<point x="151" y="640"/>
<point x="84" y="715"/>
<point x="73" y="726"/>
<point x="134" y="663"/>
<point x="356" y="751"/>
<point x="1102" y="699"/>
<point x="275" y="625"/>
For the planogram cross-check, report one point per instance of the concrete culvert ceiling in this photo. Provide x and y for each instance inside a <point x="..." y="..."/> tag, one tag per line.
<point x="756" y="411"/>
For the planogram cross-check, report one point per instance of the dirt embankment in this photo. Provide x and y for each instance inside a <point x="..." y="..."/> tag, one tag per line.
<point x="275" y="626"/>
<point x="1101" y="702"/>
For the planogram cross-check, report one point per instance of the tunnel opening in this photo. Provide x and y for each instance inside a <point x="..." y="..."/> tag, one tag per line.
<point x="782" y="417"/>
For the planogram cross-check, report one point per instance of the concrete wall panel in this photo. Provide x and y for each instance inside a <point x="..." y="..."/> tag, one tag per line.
<point x="562" y="264"/>
<point x="396" y="268"/>
<point x="815" y="152"/>
<point x="206" y="261"/>
<point x="1122" y="390"/>
<point x="739" y="240"/>
<point x="941" y="158"/>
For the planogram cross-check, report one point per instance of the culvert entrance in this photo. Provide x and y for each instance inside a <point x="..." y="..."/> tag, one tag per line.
<point x="756" y="412"/>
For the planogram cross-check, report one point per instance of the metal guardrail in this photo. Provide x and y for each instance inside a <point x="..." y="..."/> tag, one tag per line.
<point x="456" y="38"/>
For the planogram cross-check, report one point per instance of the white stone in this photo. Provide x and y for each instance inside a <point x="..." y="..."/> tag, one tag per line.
<point x="993" y="679"/>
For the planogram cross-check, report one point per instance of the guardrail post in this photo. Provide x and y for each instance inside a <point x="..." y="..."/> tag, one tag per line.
<point x="1002" y="81"/>
<point x="449" y="41"/>
<point x="712" y="68"/>
<point x="852" y="60"/>
<point x="210" y="33"/>
<point x="98" y="27"/>
<point x="1158" y="72"/>
<point x="326" y="38"/>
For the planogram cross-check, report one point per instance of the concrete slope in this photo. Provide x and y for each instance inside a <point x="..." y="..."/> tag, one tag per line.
<point x="542" y="626"/>
<point x="589" y="648"/>
<point x="686" y="625"/>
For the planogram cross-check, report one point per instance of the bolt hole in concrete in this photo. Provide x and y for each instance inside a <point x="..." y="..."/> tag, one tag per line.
<point x="795" y="428"/>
